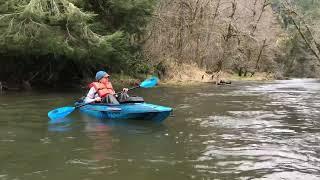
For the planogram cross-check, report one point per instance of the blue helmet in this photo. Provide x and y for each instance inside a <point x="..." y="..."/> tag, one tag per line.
<point x="101" y="74"/>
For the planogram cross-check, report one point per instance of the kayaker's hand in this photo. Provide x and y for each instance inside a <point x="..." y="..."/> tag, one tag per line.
<point x="98" y="99"/>
<point x="125" y="90"/>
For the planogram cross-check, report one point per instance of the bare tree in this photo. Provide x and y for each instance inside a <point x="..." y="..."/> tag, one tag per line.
<point x="213" y="34"/>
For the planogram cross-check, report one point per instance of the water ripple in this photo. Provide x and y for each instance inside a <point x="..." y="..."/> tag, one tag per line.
<point x="277" y="139"/>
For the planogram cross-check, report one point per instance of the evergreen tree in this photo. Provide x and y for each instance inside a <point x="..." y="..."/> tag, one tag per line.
<point x="302" y="49"/>
<point x="58" y="34"/>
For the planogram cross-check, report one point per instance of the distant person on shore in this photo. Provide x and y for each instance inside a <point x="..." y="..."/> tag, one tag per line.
<point x="102" y="90"/>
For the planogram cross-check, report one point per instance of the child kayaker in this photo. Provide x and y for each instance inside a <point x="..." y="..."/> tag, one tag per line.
<point x="102" y="90"/>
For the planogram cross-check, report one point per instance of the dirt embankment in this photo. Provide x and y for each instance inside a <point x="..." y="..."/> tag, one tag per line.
<point x="185" y="74"/>
<point x="171" y="74"/>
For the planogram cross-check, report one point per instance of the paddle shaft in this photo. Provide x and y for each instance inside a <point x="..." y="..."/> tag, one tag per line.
<point x="79" y="106"/>
<point x="129" y="89"/>
<point x="148" y="83"/>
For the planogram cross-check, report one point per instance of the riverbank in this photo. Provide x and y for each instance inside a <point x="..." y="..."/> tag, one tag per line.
<point x="187" y="76"/>
<point x="190" y="74"/>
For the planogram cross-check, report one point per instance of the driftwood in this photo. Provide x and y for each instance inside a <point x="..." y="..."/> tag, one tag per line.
<point x="222" y="82"/>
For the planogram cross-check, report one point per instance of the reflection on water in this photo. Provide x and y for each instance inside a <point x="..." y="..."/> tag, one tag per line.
<point x="247" y="130"/>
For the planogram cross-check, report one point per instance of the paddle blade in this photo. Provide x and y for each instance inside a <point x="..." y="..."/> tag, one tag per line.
<point x="60" y="113"/>
<point x="149" y="83"/>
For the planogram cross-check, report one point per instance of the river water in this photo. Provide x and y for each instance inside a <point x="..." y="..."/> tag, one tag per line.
<point x="247" y="130"/>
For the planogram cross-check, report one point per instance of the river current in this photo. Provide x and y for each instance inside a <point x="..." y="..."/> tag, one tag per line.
<point x="246" y="130"/>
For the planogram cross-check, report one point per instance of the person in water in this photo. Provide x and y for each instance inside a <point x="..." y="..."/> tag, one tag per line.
<point x="102" y="90"/>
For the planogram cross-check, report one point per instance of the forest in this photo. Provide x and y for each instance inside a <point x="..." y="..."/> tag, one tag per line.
<point x="56" y="43"/>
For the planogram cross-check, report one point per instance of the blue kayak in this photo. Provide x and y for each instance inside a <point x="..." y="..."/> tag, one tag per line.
<point x="141" y="110"/>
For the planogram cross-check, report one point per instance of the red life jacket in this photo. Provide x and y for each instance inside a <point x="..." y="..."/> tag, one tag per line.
<point x="102" y="89"/>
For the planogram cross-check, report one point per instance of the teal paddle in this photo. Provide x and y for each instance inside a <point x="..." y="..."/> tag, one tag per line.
<point x="62" y="112"/>
<point x="148" y="83"/>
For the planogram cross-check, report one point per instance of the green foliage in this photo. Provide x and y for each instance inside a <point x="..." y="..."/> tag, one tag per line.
<point x="130" y="16"/>
<point x="300" y="17"/>
<point x="60" y="30"/>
